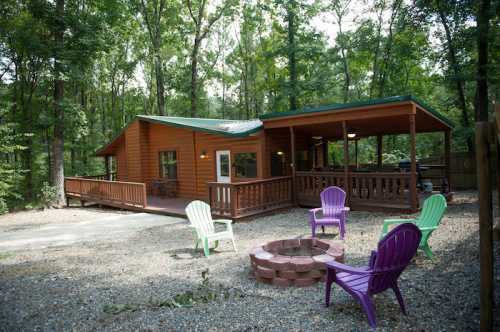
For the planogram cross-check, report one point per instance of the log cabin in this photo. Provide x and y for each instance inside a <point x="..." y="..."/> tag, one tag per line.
<point x="247" y="167"/>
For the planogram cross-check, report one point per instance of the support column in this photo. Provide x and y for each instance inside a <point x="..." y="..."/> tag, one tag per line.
<point x="293" y="164"/>
<point x="107" y="168"/>
<point x="347" y="184"/>
<point x="447" y="157"/>
<point x="413" y="168"/>
<point x="379" y="151"/>
<point x="325" y="152"/>
<point x="356" y="150"/>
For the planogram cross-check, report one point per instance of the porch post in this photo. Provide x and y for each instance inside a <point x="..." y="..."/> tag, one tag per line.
<point x="293" y="164"/>
<point x="347" y="184"/>
<point x="413" y="168"/>
<point x="356" y="149"/>
<point x="447" y="157"/>
<point x="379" y="151"/>
<point x="325" y="152"/>
<point x="107" y="167"/>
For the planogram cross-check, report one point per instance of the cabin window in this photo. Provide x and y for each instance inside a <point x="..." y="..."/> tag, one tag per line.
<point x="246" y="165"/>
<point x="168" y="164"/>
<point x="278" y="166"/>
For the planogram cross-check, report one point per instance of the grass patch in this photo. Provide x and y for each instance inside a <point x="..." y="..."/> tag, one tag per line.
<point x="205" y="292"/>
<point x="4" y="255"/>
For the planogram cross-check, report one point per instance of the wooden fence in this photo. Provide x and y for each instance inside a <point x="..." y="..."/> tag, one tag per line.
<point x="243" y="199"/>
<point x="384" y="189"/>
<point x="462" y="168"/>
<point x="116" y="193"/>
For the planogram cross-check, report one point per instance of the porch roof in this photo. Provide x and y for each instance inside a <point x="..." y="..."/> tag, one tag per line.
<point x="376" y="116"/>
<point x="232" y="128"/>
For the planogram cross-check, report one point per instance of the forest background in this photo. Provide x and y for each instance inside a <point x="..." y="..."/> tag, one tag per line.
<point x="73" y="73"/>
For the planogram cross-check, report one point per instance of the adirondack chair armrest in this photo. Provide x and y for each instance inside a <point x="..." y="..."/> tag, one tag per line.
<point x="313" y="211"/>
<point x="227" y="222"/>
<point x="387" y="222"/>
<point x="223" y="221"/>
<point x="427" y="229"/>
<point x="339" y="267"/>
<point x="398" y="221"/>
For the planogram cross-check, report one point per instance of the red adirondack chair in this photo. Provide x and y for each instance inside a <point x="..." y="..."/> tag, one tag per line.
<point x="393" y="254"/>
<point x="333" y="209"/>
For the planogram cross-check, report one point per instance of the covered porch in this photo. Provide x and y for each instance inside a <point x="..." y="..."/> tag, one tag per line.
<point x="313" y="134"/>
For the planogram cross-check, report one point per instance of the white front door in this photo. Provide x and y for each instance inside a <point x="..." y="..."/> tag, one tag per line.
<point x="223" y="161"/>
<point x="223" y="166"/>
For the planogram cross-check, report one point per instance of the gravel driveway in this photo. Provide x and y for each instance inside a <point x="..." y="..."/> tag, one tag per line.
<point x="115" y="227"/>
<point x="127" y="283"/>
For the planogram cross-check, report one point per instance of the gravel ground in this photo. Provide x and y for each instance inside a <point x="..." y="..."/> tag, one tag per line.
<point x="70" y="287"/>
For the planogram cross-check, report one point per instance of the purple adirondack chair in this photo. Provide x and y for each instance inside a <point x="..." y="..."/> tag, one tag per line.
<point x="393" y="254"/>
<point x="334" y="211"/>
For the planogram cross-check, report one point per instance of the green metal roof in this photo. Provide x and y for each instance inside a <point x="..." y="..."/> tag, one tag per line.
<point x="231" y="128"/>
<point x="339" y="107"/>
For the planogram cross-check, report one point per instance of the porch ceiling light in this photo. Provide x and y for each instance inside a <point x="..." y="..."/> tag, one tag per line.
<point x="317" y="137"/>
<point x="203" y="154"/>
<point x="351" y="135"/>
<point x="280" y="153"/>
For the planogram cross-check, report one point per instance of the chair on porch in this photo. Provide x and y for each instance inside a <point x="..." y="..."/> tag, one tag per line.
<point x="200" y="218"/>
<point x="394" y="253"/>
<point x="333" y="209"/>
<point x="429" y="219"/>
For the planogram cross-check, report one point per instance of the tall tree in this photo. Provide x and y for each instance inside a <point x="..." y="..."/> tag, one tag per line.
<point x="153" y="13"/>
<point x="58" y="138"/>
<point x="291" y="9"/>
<point x="203" y="24"/>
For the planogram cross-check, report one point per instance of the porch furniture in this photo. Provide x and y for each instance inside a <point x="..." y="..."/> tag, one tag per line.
<point x="429" y="219"/>
<point x="333" y="210"/>
<point x="164" y="187"/>
<point x="200" y="217"/>
<point x="393" y="254"/>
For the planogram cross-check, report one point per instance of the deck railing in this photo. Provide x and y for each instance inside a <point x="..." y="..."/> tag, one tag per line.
<point x="111" y="177"/>
<point x="372" y="188"/>
<point x="242" y="199"/>
<point x="109" y="192"/>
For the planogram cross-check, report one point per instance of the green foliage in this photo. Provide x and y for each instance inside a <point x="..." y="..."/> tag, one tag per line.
<point x="112" y="56"/>
<point x="47" y="195"/>
<point x="205" y="292"/>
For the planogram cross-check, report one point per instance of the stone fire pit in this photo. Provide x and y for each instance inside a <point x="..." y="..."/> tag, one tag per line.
<point x="294" y="262"/>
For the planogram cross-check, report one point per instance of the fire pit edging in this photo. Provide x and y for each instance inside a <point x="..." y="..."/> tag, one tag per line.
<point x="271" y="267"/>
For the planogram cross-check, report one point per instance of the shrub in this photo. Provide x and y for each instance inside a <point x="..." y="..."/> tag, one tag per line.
<point x="47" y="195"/>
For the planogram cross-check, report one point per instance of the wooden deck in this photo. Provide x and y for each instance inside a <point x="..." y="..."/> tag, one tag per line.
<point x="167" y="206"/>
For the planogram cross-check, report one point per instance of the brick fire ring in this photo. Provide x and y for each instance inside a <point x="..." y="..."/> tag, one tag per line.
<point x="294" y="262"/>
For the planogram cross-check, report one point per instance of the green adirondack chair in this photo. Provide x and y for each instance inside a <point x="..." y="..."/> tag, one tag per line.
<point x="429" y="219"/>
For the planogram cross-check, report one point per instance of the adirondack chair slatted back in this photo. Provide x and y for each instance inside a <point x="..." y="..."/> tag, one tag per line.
<point x="432" y="211"/>
<point x="394" y="253"/>
<point x="200" y="216"/>
<point x="332" y="201"/>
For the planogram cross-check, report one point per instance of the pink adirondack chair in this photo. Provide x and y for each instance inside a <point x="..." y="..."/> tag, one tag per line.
<point x="393" y="254"/>
<point x="333" y="209"/>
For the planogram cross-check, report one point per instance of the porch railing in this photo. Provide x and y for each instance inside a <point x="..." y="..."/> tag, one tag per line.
<point x="384" y="188"/>
<point x="112" y="177"/>
<point x="110" y="192"/>
<point x="242" y="199"/>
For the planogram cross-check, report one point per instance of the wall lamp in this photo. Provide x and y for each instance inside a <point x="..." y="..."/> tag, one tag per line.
<point x="203" y="154"/>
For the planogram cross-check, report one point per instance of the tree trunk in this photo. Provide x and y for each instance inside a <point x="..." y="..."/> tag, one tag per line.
<point x="160" y="84"/>
<point x="58" y="139"/>
<point x="194" y="76"/>
<point x="459" y="84"/>
<point x="483" y="162"/>
<point x="292" y="62"/>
